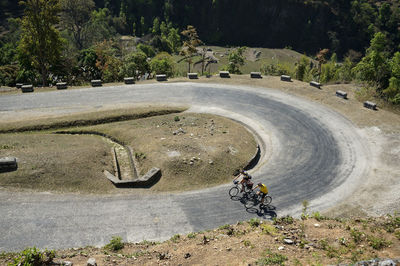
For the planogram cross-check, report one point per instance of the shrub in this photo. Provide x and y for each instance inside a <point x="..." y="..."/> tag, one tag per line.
<point x="163" y="64"/>
<point x="175" y="238"/>
<point x="271" y="258"/>
<point x="377" y="242"/>
<point x="176" y="118"/>
<point x="33" y="256"/>
<point x="284" y="220"/>
<point x="275" y="69"/>
<point x="146" y="49"/>
<point x="268" y="229"/>
<point x="191" y="235"/>
<point x="254" y="222"/>
<point x="115" y="244"/>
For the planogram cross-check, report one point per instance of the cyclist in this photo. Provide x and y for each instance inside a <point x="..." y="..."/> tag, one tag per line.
<point x="245" y="180"/>
<point x="263" y="191"/>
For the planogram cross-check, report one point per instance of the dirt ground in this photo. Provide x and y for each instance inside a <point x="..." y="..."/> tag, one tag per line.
<point x="312" y="241"/>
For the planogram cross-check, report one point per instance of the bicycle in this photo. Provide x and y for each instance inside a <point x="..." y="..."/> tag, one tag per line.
<point x="254" y="199"/>
<point x="237" y="188"/>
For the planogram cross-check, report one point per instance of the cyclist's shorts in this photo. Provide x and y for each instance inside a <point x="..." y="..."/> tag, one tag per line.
<point x="263" y="195"/>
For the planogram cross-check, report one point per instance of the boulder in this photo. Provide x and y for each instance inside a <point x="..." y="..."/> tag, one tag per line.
<point x="129" y="80"/>
<point x="96" y="82"/>
<point x="315" y="84"/>
<point x="224" y="74"/>
<point x="370" y="105"/>
<point x="341" y="94"/>
<point x="27" y="88"/>
<point x="193" y="75"/>
<point x="161" y="77"/>
<point x="286" y="78"/>
<point x="255" y="75"/>
<point x="61" y="85"/>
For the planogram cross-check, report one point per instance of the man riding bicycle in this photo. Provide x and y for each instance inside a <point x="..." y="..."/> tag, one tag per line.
<point x="245" y="180"/>
<point x="263" y="191"/>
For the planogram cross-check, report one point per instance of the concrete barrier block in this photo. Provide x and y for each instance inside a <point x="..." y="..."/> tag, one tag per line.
<point x="286" y="78"/>
<point x="255" y="75"/>
<point x="224" y="74"/>
<point x="161" y="77"/>
<point x="341" y="94"/>
<point x="8" y="164"/>
<point x="27" y="88"/>
<point x="370" y="105"/>
<point x="18" y="85"/>
<point x="61" y="85"/>
<point x="315" y="84"/>
<point x="96" y="83"/>
<point x="192" y="75"/>
<point x="129" y="80"/>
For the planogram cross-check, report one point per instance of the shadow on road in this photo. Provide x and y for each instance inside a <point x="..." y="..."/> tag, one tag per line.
<point x="265" y="212"/>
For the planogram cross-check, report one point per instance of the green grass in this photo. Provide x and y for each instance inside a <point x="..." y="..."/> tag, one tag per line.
<point x="115" y="244"/>
<point x="271" y="258"/>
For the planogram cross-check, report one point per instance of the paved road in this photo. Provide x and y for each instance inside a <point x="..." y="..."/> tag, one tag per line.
<point x="308" y="153"/>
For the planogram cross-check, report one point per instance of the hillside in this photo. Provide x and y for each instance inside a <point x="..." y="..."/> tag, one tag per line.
<point x="315" y="240"/>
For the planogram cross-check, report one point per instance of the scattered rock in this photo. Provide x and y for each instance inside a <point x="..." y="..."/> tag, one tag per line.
<point x="91" y="262"/>
<point x="317" y="225"/>
<point x="210" y="162"/>
<point x="288" y="241"/>
<point x="281" y="248"/>
<point x="228" y="249"/>
<point x="187" y="255"/>
<point x="179" y="131"/>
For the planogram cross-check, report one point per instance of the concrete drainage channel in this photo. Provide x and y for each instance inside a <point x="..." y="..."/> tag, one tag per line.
<point x="125" y="170"/>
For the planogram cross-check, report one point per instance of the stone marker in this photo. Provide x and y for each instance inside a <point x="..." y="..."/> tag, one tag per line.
<point x="370" y="105"/>
<point x="91" y="262"/>
<point x="286" y="78"/>
<point x="27" y="88"/>
<point x="8" y="164"/>
<point x="96" y="82"/>
<point x="224" y="74"/>
<point x="61" y="85"/>
<point x="255" y="75"/>
<point x="315" y="84"/>
<point x="18" y="85"/>
<point x="192" y="75"/>
<point x="129" y="80"/>
<point x="161" y="77"/>
<point x="341" y="94"/>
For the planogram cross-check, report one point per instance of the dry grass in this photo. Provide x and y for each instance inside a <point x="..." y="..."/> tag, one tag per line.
<point x="316" y="242"/>
<point x="217" y="147"/>
<point x="48" y="162"/>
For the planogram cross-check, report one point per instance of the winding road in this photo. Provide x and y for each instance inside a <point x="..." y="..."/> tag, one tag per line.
<point x="309" y="152"/>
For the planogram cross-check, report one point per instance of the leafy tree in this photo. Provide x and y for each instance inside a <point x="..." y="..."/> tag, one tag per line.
<point x="163" y="64"/>
<point x="374" y="67"/>
<point x="146" y="49"/>
<point x="302" y="68"/>
<point x="75" y="17"/>
<point x="174" y="39"/>
<point x="142" y="26"/>
<point x="107" y="62"/>
<point x="189" y="45"/>
<point x="100" y="26"/>
<point x="135" y="65"/>
<point x="393" y="91"/>
<point x="236" y="59"/>
<point x="87" y="65"/>
<point x="156" y="26"/>
<point x="40" y="43"/>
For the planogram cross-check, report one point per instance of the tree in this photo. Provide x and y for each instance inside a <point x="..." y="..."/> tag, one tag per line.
<point x="393" y="91"/>
<point x="75" y="17"/>
<point x="236" y="59"/>
<point x="374" y="67"/>
<point x="163" y="64"/>
<point x="135" y="65"/>
<point x="100" y="26"/>
<point x="189" y="45"/>
<point x="40" y="44"/>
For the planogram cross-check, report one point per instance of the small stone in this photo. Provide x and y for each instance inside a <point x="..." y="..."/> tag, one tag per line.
<point x="187" y="255"/>
<point x="191" y="162"/>
<point x="120" y="256"/>
<point x="317" y="225"/>
<point x="91" y="262"/>
<point x="281" y="248"/>
<point x="210" y="162"/>
<point x="228" y="249"/>
<point x="387" y="262"/>
<point x="288" y="241"/>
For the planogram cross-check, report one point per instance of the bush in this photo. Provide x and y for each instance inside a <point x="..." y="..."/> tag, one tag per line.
<point x="175" y="238"/>
<point x="163" y="64"/>
<point x="275" y="69"/>
<point x="146" y="49"/>
<point x="33" y="256"/>
<point x="115" y="244"/>
<point x="8" y="75"/>
<point x="254" y="222"/>
<point x="271" y="258"/>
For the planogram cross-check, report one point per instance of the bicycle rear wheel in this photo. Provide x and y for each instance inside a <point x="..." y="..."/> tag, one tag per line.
<point x="267" y="200"/>
<point x="234" y="191"/>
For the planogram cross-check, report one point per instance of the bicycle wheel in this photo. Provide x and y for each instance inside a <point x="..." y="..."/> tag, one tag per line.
<point x="233" y="191"/>
<point x="250" y="203"/>
<point x="267" y="200"/>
